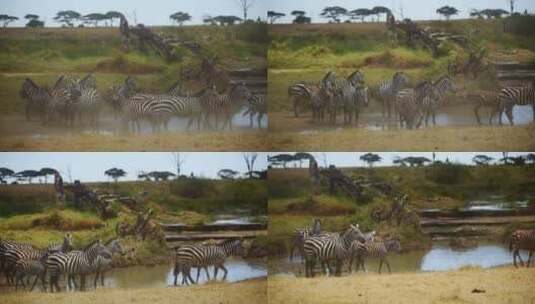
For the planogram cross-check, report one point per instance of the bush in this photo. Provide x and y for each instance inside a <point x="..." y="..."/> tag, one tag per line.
<point x="193" y="187"/>
<point x="448" y="174"/>
<point x="253" y="32"/>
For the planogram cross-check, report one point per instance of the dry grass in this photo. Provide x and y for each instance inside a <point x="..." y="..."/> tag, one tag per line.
<point x="504" y="285"/>
<point x="477" y="138"/>
<point x="245" y="292"/>
<point x="184" y="141"/>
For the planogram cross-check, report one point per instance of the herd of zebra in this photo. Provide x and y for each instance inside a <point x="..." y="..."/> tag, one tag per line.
<point x="71" y="99"/>
<point x="21" y="261"/>
<point x="316" y="245"/>
<point x="409" y="107"/>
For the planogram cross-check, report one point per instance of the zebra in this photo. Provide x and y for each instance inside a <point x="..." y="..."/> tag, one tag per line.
<point x="511" y="96"/>
<point x="353" y="105"/>
<point x="72" y="263"/>
<point x="127" y="89"/>
<point x="409" y="103"/>
<point x="361" y="250"/>
<point x="89" y="101"/>
<point x="256" y="105"/>
<point x="103" y="261"/>
<point x="301" y="93"/>
<point x="300" y="235"/>
<point x="199" y="255"/>
<point x="388" y="90"/>
<point x="23" y="252"/>
<point x="63" y="96"/>
<point x="522" y="240"/>
<point x="27" y="268"/>
<point x="6" y="245"/>
<point x="431" y="102"/>
<point x="36" y="98"/>
<point x="224" y="103"/>
<point x="326" y="249"/>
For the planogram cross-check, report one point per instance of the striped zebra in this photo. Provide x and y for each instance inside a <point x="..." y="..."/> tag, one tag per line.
<point x="301" y="94"/>
<point x="26" y="268"/>
<point x="522" y="240"/>
<point x="76" y="262"/>
<point x="63" y="95"/>
<point x="127" y="89"/>
<point x="5" y="245"/>
<point x="320" y="101"/>
<point x="36" y="98"/>
<point x="348" y="93"/>
<point x="300" y="235"/>
<point x="388" y="90"/>
<point x="352" y="106"/>
<point x="362" y="250"/>
<point x="104" y="260"/>
<point x="482" y="99"/>
<point x="224" y="104"/>
<point x="15" y="252"/>
<point x="431" y="102"/>
<point x="89" y="101"/>
<point x="511" y="96"/>
<point x="256" y="105"/>
<point x="409" y="104"/>
<point x="202" y="256"/>
<point x="326" y="249"/>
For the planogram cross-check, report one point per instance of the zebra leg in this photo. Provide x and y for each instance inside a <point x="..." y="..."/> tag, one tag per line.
<point x="207" y="273"/>
<point x="189" y="277"/>
<point x="96" y="279"/>
<point x="533" y="107"/>
<point x="529" y="259"/>
<point x="509" y="113"/>
<point x="198" y="273"/>
<point x="380" y="265"/>
<point x="387" y="265"/>
<point x="476" y="113"/>
<point x="216" y="268"/>
<point x="259" y="119"/>
<point x="102" y="278"/>
<point x="35" y="282"/>
<point x="226" y="272"/>
<point x="517" y="252"/>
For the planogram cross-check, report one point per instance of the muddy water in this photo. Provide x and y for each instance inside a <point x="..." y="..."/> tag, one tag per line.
<point x="440" y="257"/>
<point x="462" y="115"/>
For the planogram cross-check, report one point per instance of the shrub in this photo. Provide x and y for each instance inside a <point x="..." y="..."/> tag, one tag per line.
<point x="192" y="187"/>
<point x="448" y="173"/>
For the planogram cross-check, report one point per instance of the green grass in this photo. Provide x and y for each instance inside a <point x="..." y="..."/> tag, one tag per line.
<point x="44" y="54"/>
<point x="307" y="52"/>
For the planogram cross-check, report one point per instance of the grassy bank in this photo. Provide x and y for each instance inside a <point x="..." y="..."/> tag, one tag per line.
<point x="502" y="285"/>
<point x="291" y="205"/>
<point x="242" y="292"/>
<point x="455" y="138"/>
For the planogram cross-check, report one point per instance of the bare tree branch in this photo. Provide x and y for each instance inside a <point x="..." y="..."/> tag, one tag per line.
<point x="244" y="6"/>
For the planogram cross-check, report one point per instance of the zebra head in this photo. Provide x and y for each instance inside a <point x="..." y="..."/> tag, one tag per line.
<point x="356" y="77"/>
<point x="88" y="81"/>
<point x="328" y="79"/>
<point x="351" y="234"/>
<point x="67" y="243"/>
<point x="316" y="227"/>
<point x="233" y="247"/>
<point x="240" y="92"/>
<point x="446" y="84"/>
<point x="392" y="245"/>
<point x="115" y="246"/>
<point x="400" y="79"/>
<point x="362" y="96"/>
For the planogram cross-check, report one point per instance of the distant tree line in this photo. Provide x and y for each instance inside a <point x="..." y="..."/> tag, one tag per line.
<point x="26" y="175"/>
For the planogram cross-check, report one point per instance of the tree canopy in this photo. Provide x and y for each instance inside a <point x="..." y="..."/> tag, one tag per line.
<point x="67" y="17"/>
<point x="272" y="16"/>
<point x="6" y="19"/>
<point x="370" y="158"/>
<point x="180" y="17"/>
<point x="334" y="13"/>
<point x="482" y="159"/>
<point x="447" y="11"/>
<point x="115" y="173"/>
<point x="227" y="174"/>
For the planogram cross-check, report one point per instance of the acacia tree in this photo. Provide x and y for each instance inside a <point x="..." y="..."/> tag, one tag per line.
<point x="67" y="17"/>
<point x="482" y="160"/>
<point x="301" y="156"/>
<point x="5" y="173"/>
<point x="27" y="174"/>
<point x="227" y="174"/>
<point x="180" y="18"/>
<point x="33" y="21"/>
<point x="272" y="16"/>
<point x="447" y="11"/>
<point x="94" y="18"/>
<point x="115" y="173"/>
<point x="6" y="19"/>
<point x="46" y="172"/>
<point x="111" y="15"/>
<point x="281" y="158"/>
<point x="334" y="13"/>
<point x="245" y="5"/>
<point x="360" y="13"/>
<point x="300" y="17"/>
<point x="378" y="10"/>
<point x="370" y="158"/>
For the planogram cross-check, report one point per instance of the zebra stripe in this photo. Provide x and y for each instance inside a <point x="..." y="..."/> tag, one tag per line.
<point x="362" y="250"/>
<point x="26" y="268"/>
<point x="388" y="89"/>
<point x="301" y="94"/>
<point x="433" y="100"/>
<point x="522" y="240"/>
<point x="217" y="104"/>
<point x="36" y="97"/>
<point x="256" y="105"/>
<point x="511" y="96"/>
<point x="326" y="249"/>
<point x="199" y="255"/>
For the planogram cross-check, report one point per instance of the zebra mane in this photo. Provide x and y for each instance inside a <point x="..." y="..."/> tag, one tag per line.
<point x="328" y="76"/>
<point x="87" y="77"/>
<point x="32" y="83"/>
<point x="350" y="77"/>
<point x="91" y="244"/>
<point x="58" y="82"/>
<point x="442" y="78"/>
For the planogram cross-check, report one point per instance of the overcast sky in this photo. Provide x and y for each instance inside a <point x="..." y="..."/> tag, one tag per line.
<point x="414" y="9"/>
<point x="90" y="166"/>
<point x="154" y="12"/>
<point x="351" y="159"/>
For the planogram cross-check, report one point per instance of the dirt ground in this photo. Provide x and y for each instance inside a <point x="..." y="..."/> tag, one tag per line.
<point x="501" y="285"/>
<point x="438" y="138"/>
<point x="253" y="291"/>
